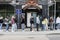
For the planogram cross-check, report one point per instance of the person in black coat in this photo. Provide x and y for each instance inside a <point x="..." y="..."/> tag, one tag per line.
<point x="23" y="23"/>
<point x="32" y="23"/>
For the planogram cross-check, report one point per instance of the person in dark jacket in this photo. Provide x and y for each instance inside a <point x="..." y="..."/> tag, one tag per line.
<point x="7" y="23"/>
<point x="32" y="23"/>
<point x="23" y="23"/>
<point x="1" y="23"/>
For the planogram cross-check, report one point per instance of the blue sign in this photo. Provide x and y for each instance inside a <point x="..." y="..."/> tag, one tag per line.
<point x="18" y="11"/>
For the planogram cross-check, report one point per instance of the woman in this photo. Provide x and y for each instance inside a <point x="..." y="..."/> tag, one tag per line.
<point x="44" y="24"/>
<point x="13" y="22"/>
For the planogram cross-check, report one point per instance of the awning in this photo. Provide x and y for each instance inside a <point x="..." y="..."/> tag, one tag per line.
<point x="31" y="7"/>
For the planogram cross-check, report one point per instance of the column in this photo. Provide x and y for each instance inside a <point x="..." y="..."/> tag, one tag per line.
<point x="45" y="8"/>
<point x="18" y="14"/>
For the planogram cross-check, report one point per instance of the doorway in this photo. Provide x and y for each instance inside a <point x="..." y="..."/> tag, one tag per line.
<point x="34" y="14"/>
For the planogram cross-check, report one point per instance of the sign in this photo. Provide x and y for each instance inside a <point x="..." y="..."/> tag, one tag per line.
<point x="18" y="11"/>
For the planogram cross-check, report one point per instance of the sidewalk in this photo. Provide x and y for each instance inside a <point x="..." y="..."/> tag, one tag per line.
<point x="27" y="32"/>
<point x="26" y="35"/>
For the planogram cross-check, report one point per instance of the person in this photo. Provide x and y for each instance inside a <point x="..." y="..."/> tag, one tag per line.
<point x="23" y="23"/>
<point x="7" y="23"/>
<point x="44" y="24"/>
<point x="37" y="22"/>
<point x="14" y="25"/>
<point x="1" y="23"/>
<point x="32" y="23"/>
<point x="51" y="23"/>
<point x="58" y="22"/>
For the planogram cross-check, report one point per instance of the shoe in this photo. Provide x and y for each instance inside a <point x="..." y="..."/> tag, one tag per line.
<point x="22" y="30"/>
<point x="7" y="31"/>
<point x="12" y="31"/>
<point x="1" y="30"/>
<point x="32" y="31"/>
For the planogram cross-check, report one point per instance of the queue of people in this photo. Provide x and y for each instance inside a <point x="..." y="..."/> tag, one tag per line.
<point x="6" y="22"/>
<point x="45" y="23"/>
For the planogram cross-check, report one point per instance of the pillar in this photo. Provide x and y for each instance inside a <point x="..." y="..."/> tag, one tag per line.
<point x="18" y="15"/>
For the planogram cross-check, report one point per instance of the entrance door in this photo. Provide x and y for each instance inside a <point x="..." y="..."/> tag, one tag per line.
<point x="34" y="15"/>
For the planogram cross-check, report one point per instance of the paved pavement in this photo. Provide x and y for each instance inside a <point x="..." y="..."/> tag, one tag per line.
<point x="28" y="35"/>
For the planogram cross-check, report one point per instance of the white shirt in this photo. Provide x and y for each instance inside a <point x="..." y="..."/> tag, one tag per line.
<point x="37" y="20"/>
<point x="57" y="20"/>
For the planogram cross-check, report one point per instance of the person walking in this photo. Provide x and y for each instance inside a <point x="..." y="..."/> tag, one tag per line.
<point x="7" y="23"/>
<point x="1" y="23"/>
<point x="37" y="23"/>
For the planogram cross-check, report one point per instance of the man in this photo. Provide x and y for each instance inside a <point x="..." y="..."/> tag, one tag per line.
<point x="58" y="22"/>
<point x="37" y="22"/>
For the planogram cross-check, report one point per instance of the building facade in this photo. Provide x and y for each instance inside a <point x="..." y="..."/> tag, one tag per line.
<point x="28" y="8"/>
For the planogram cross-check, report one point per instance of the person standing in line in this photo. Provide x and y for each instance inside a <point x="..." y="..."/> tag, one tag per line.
<point x="51" y="23"/>
<point x="13" y="22"/>
<point x="37" y="23"/>
<point x="58" y="22"/>
<point x="1" y="23"/>
<point x="32" y="23"/>
<point x="46" y="20"/>
<point x="7" y="23"/>
<point x="44" y="24"/>
<point x="23" y="23"/>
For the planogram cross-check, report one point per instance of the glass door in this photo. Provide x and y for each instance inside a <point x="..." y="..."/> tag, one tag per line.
<point x="34" y="14"/>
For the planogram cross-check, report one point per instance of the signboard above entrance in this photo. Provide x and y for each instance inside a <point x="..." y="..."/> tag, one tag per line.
<point x="18" y="11"/>
<point x="37" y="6"/>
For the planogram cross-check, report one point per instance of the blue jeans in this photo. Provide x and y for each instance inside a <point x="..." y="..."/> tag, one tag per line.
<point x="7" y="27"/>
<point x="43" y="27"/>
<point x="14" y="27"/>
<point x="23" y="26"/>
<point x="58" y="26"/>
<point x="0" y="26"/>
